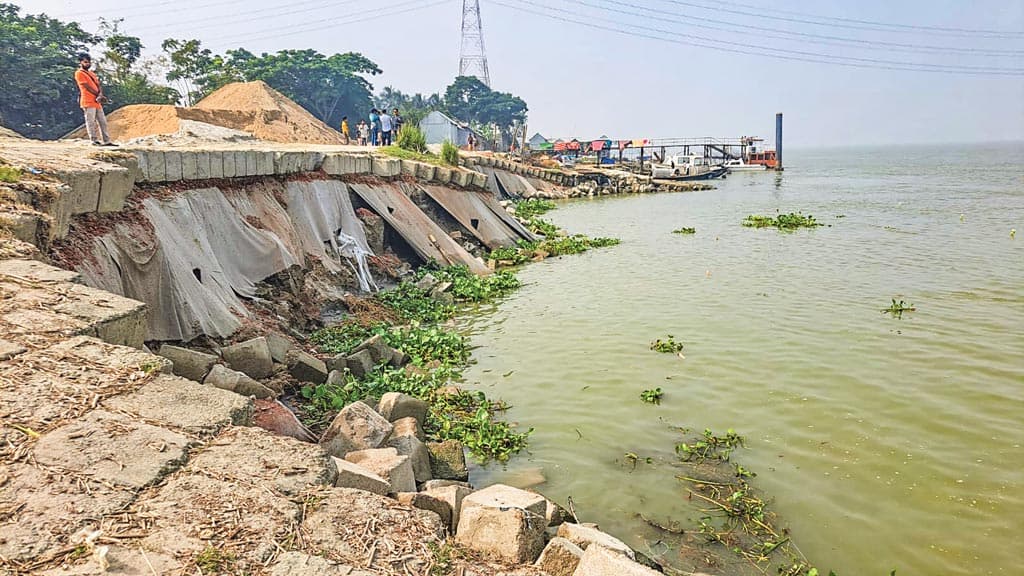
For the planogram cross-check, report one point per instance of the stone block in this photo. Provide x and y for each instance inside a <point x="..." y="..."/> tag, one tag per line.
<point x="115" y="187"/>
<point x="379" y="349"/>
<point x="560" y="557"/>
<point x="409" y="167"/>
<point x="189" y="166"/>
<point x="356" y="427"/>
<point x="427" y="502"/>
<point x="181" y="403"/>
<point x="255" y="457"/>
<point x="113" y="448"/>
<point x="448" y="460"/>
<point x="338" y="363"/>
<point x="222" y="377"/>
<point x="503" y="521"/>
<point x="217" y="165"/>
<point x="386" y="167"/>
<point x="251" y="357"/>
<point x="151" y="163"/>
<point x="389" y="465"/>
<point x="585" y="536"/>
<point x="265" y="163"/>
<point x="399" y="359"/>
<point x="190" y="364"/>
<point x="395" y="406"/>
<point x="408" y="426"/>
<point x="419" y="458"/>
<point x="355" y="476"/>
<point x="425" y="171"/>
<point x="82" y="194"/>
<point x="202" y="165"/>
<point x="300" y="564"/>
<point x="306" y="368"/>
<point x="452" y="495"/>
<point x="360" y="364"/>
<point x="480" y="180"/>
<point x="172" y="165"/>
<point x="442" y="174"/>
<point x="279" y="347"/>
<point x="600" y="561"/>
<point x="462" y="178"/>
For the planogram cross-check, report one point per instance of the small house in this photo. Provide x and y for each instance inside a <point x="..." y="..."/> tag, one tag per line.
<point x="438" y="127"/>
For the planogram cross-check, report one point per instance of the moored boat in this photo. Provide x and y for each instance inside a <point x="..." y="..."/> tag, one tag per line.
<point x="738" y="165"/>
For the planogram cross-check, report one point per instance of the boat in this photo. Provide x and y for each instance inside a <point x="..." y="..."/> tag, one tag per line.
<point x="764" y="158"/>
<point x="687" y="167"/>
<point x="738" y="165"/>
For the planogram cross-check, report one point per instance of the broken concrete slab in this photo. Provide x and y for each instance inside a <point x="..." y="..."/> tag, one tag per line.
<point x="600" y="561"/>
<point x="305" y="367"/>
<point x="115" y="186"/>
<point x="389" y="465"/>
<point x="187" y="363"/>
<point x="222" y="377"/>
<point x="113" y="448"/>
<point x="504" y="521"/>
<point x="419" y="457"/>
<point x="427" y="502"/>
<point x="560" y="557"/>
<point x="448" y="460"/>
<point x="585" y="536"/>
<point x="252" y="357"/>
<point x="395" y="406"/>
<point x="452" y="495"/>
<point x="356" y="427"/>
<point x="253" y="456"/>
<point x="360" y="364"/>
<point x="279" y="347"/>
<point x="358" y="478"/>
<point x="181" y="403"/>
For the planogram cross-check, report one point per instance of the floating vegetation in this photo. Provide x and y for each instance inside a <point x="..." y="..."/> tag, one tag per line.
<point x="534" y="207"/>
<point x="685" y="231"/>
<point x="708" y="446"/>
<point x="667" y="346"/>
<point x="898" y="308"/>
<point x="525" y="251"/>
<point x="784" y="222"/>
<point x="652" y="396"/>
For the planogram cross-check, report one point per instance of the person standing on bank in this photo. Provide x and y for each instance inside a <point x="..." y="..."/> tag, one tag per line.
<point x="397" y="120"/>
<point x="374" y="127"/>
<point x="92" y="101"/>
<point x="386" y="126"/>
<point x="344" y="129"/>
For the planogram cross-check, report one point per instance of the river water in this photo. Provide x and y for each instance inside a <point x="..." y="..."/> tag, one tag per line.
<point x="883" y="443"/>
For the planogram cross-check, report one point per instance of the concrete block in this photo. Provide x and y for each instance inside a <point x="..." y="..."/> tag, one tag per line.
<point x="560" y="557"/>
<point x="503" y="521"/>
<point x="442" y="174"/>
<point x="285" y="162"/>
<point x="229" y="164"/>
<point x="389" y="465"/>
<point x="453" y="496"/>
<point x="202" y="165"/>
<point x="181" y="403"/>
<point x="425" y="171"/>
<point x="600" y="561"/>
<point x="83" y="192"/>
<point x="222" y="377"/>
<point x="355" y="476"/>
<point x="429" y="503"/>
<point x="360" y="364"/>
<point x="363" y="164"/>
<point x="409" y="168"/>
<point x="395" y="406"/>
<point x="109" y="317"/>
<point x="242" y="164"/>
<point x="172" y="166"/>
<point x="405" y="426"/>
<point x="334" y="164"/>
<point x="279" y="347"/>
<point x="251" y="357"/>
<point x="462" y="178"/>
<point x="151" y="163"/>
<point x="300" y="564"/>
<point x="419" y="458"/>
<point x="479" y="180"/>
<point x="189" y="166"/>
<point x="356" y="427"/>
<point x="585" y="536"/>
<point x="191" y="364"/>
<point x="448" y="460"/>
<point x="306" y="368"/>
<point x="311" y="161"/>
<point x="115" y="186"/>
<point x="386" y="167"/>
<point x="216" y="164"/>
<point x="265" y="163"/>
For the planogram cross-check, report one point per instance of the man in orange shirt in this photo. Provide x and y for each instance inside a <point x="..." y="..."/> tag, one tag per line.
<point x="92" y="101"/>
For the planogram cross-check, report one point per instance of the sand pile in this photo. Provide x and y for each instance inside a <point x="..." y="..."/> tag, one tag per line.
<point x="6" y="133"/>
<point x="240" y="109"/>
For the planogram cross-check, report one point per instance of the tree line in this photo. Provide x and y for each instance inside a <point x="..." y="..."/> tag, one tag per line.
<point x="41" y="100"/>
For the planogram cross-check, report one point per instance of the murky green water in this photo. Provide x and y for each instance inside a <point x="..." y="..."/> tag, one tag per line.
<point x="884" y="443"/>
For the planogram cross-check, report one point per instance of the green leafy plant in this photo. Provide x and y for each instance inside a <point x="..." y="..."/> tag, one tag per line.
<point x="710" y="446"/>
<point x="652" y="396"/>
<point x="449" y="153"/>
<point x="784" y="222"/>
<point x="685" y="231"/>
<point x="898" y="308"/>
<point x="411" y="138"/>
<point x="667" y="346"/>
<point x="214" y="561"/>
<point x="534" y="207"/>
<point x="541" y="226"/>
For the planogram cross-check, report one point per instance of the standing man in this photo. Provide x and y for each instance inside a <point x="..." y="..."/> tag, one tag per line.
<point x="386" y="126"/>
<point x="92" y="101"/>
<point x="397" y="120"/>
<point x="374" y="127"/>
<point x="344" y="129"/>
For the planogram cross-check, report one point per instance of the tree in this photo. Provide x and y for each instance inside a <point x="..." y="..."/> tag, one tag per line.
<point x="469" y="99"/>
<point x="413" y="108"/>
<point x="127" y="78"/>
<point x="189" y="63"/>
<point x="37" y="65"/>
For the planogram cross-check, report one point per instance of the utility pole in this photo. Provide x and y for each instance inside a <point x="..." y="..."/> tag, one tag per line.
<point x="472" y="56"/>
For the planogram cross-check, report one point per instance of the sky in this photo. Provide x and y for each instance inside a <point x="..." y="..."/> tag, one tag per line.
<point x="871" y="72"/>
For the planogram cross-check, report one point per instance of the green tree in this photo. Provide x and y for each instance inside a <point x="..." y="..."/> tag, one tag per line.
<point x="127" y="78"/>
<point x="470" y="100"/>
<point x="190" y="63"/>
<point x="37" y="65"/>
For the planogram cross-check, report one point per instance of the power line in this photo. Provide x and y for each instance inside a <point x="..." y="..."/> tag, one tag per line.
<point x="320" y="5"/>
<point x="821" y="39"/>
<point x="938" y="29"/>
<point x="797" y="55"/>
<point x="851" y="23"/>
<point x="145" y="8"/>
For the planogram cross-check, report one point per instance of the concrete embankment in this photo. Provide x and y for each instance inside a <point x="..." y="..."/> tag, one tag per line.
<point x="119" y="461"/>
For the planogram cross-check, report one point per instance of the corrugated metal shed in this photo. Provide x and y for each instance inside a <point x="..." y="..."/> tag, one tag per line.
<point x="438" y="127"/>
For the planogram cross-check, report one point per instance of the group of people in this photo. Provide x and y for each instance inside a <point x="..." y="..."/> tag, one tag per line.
<point x="379" y="131"/>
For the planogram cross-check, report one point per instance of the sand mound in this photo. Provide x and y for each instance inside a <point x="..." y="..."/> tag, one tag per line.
<point x="244" y="107"/>
<point x="7" y="133"/>
<point x="273" y="115"/>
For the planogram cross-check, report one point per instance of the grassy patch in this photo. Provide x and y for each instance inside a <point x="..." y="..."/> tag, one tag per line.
<point x="213" y="561"/>
<point x="402" y="153"/>
<point x="533" y="207"/>
<point x="9" y="174"/>
<point x="449" y="153"/>
<point x="411" y="138"/>
<point x="784" y="222"/>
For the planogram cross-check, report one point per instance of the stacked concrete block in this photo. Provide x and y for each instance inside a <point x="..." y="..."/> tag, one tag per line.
<point x="265" y="163"/>
<point x="172" y="166"/>
<point x="83" y="191"/>
<point x="479" y="180"/>
<point x="242" y="164"/>
<point x="216" y="164"/>
<point x="189" y="166"/>
<point x="311" y="161"/>
<point x="425" y="172"/>
<point x="202" y="165"/>
<point x="363" y="164"/>
<point x="409" y="168"/>
<point x="287" y="162"/>
<point x="386" y="167"/>
<point x="442" y="175"/>
<point x="151" y="165"/>
<point x="230" y="171"/>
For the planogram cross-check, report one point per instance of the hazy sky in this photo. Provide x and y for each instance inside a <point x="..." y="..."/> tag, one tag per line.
<point x="649" y="69"/>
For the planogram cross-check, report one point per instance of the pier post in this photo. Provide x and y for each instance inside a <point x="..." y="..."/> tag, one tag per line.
<point x="778" y="141"/>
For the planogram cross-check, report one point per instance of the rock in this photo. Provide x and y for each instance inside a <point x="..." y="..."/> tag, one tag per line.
<point x="441" y="288"/>
<point x="427" y="502"/>
<point x="356" y="427"/>
<point x="560" y="557"/>
<point x="299" y="564"/>
<point x="453" y="496"/>
<point x="227" y="379"/>
<point x="447" y="460"/>
<point x="251" y="357"/>
<point x="356" y="477"/>
<point x="585" y="536"/>
<point x="395" y="406"/>
<point x="436" y="484"/>
<point x="360" y="364"/>
<point x="306" y="368"/>
<point x="419" y="458"/>
<point x="273" y="416"/>
<point x="600" y="561"/>
<point x="504" y="521"/>
<point x="336" y="378"/>
<point x="399" y="359"/>
<point x="389" y="465"/>
<point x="378" y="348"/>
<point x="427" y="283"/>
<point x="279" y="347"/>
<point x="338" y="363"/>
<point x="407" y="426"/>
<point x="190" y="364"/>
<point x="443" y="297"/>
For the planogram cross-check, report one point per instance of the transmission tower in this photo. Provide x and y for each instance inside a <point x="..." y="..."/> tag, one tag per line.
<point x="472" y="56"/>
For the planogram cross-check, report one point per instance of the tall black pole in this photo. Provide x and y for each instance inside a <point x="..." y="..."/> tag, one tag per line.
<point x="778" y="141"/>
